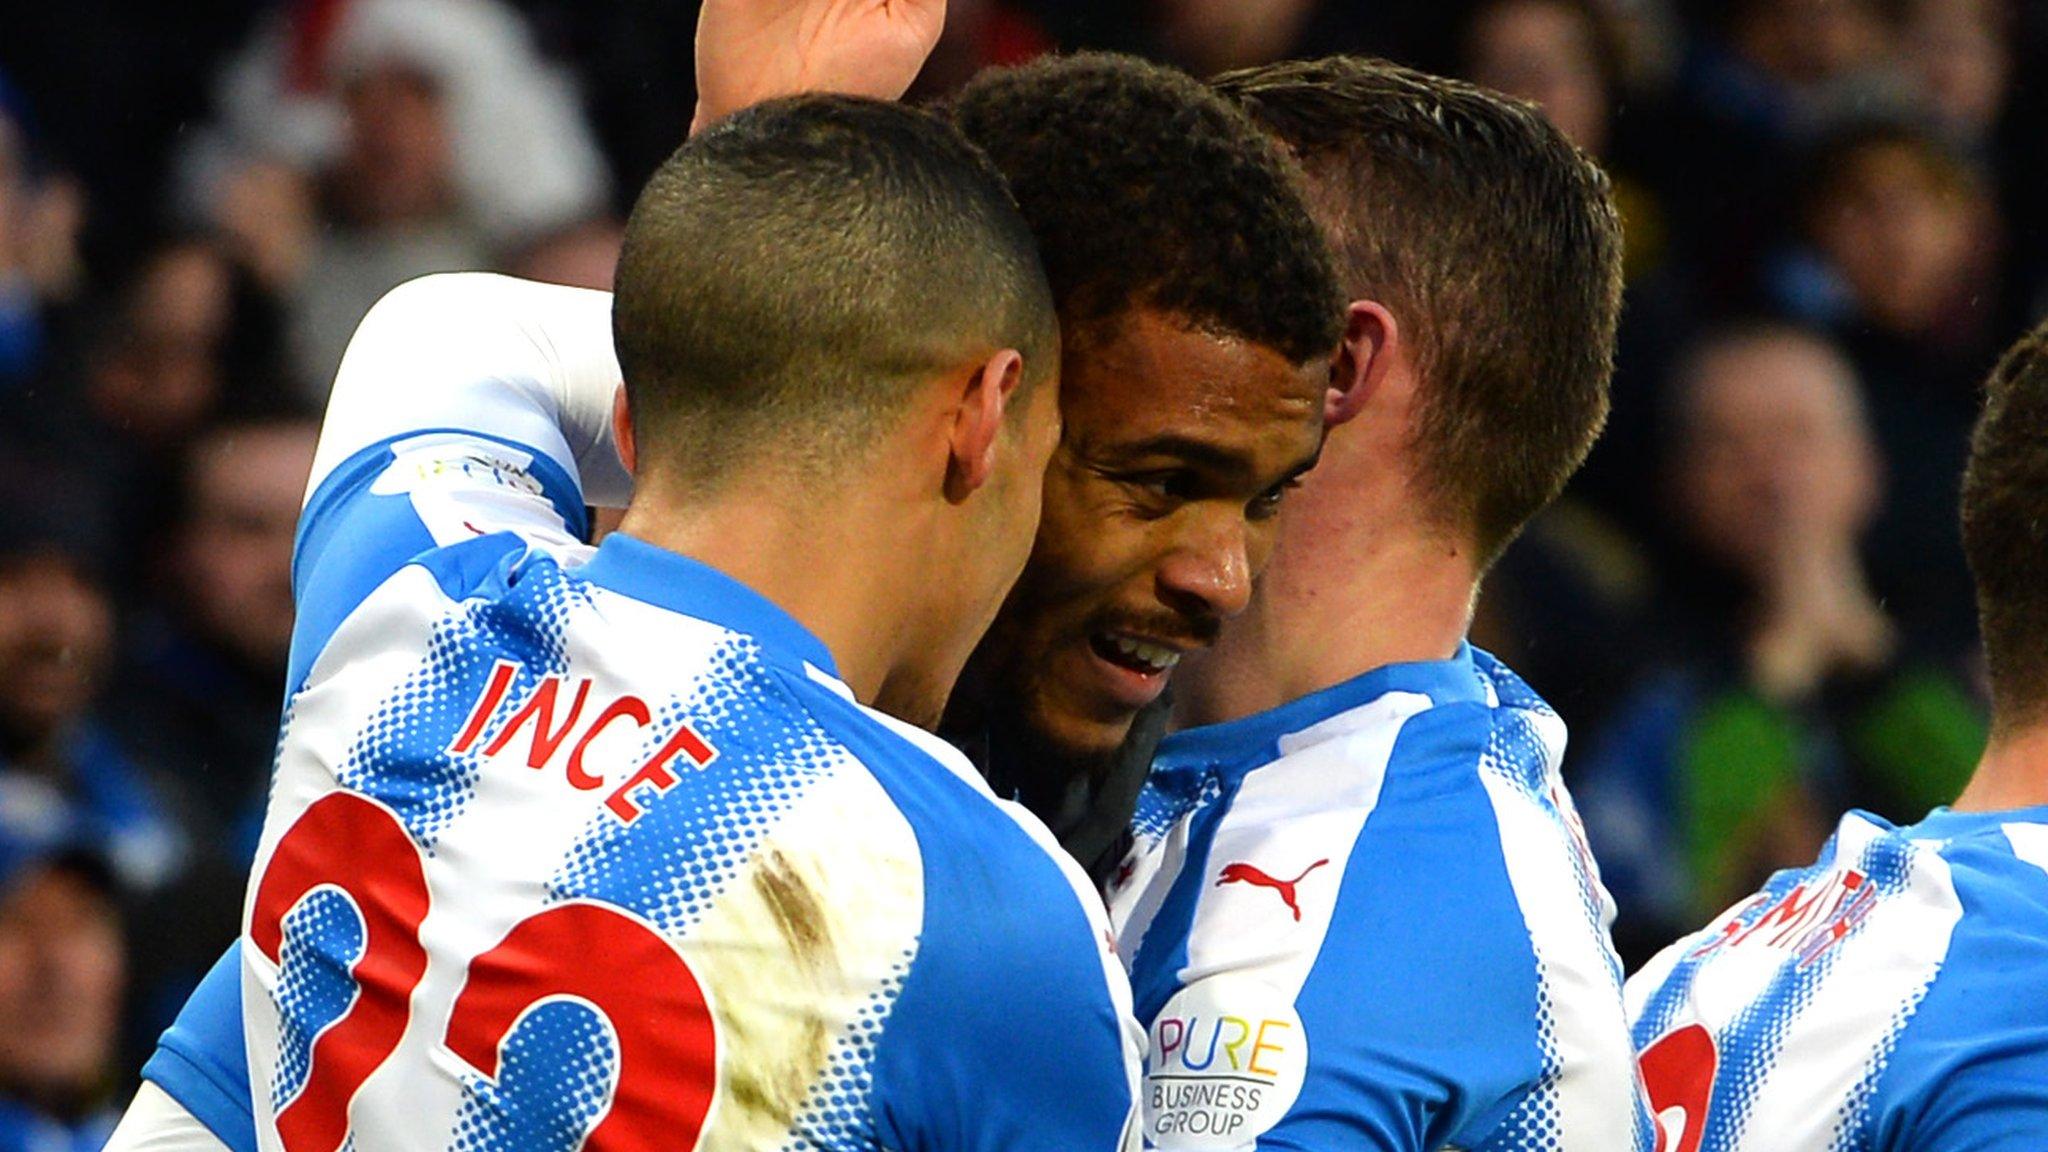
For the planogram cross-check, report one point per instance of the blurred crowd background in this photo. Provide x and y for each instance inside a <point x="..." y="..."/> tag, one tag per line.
<point x="1752" y="608"/>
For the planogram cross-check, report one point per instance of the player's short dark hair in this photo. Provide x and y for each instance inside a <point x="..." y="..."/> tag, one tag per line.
<point x="1496" y="245"/>
<point x="1147" y="191"/>
<point x="791" y="274"/>
<point x="2005" y="529"/>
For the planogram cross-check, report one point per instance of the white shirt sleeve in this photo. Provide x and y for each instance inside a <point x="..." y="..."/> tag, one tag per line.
<point x="156" y="1123"/>
<point x="474" y="352"/>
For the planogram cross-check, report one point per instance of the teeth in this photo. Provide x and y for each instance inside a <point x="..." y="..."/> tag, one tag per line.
<point x="1157" y="658"/>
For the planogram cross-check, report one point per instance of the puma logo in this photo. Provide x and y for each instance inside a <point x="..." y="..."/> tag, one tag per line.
<point x="1247" y="874"/>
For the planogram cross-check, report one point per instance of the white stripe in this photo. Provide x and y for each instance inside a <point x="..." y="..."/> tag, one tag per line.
<point x="2029" y="842"/>
<point x="1307" y="806"/>
<point x="1842" y="1034"/>
<point x="1596" y="1090"/>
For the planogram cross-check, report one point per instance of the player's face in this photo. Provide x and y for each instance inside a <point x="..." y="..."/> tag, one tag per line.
<point x="1158" y="513"/>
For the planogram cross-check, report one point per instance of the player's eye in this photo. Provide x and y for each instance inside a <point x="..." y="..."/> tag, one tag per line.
<point x="1266" y="505"/>
<point x="1170" y="487"/>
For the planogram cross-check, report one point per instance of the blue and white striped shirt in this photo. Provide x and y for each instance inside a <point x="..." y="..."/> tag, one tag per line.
<point x="1890" y="997"/>
<point x="590" y="847"/>
<point x="1366" y="919"/>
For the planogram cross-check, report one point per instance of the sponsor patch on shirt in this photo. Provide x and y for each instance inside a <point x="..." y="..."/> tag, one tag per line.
<point x="1224" y="1062"/>
<point x="430" y="462"/>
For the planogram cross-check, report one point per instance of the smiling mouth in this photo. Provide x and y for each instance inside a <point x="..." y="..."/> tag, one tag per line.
<point x="1140" y="656"/>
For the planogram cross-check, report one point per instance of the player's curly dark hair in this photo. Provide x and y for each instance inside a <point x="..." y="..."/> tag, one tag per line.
<point x="1146" y="190"/>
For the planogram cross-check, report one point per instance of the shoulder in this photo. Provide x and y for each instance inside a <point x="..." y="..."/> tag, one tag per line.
<point x="519" y="576"/>
<point x="1790" y="1013"/>
<point x="1014" y="996"/>
<point x="1502" y="926"/>
<point x="1974" y="1053"/>
<point x="1358" y="914"/>
<point x="995" y="860"/>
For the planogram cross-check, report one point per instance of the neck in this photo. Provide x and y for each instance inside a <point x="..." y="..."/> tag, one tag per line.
<point x="745" y="531"/>
<point x="1349" y="590"/>
<point x="2013" y="772"/>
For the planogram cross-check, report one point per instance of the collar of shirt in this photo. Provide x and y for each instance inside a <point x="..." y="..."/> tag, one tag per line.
<point x="1949" y="824"/>
<point x="673" y="581"/>
<point x="1236" y="747"/>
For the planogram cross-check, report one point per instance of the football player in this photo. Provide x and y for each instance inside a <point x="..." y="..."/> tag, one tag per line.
<point x="1191" y="407"/>
<point x="1359" y="912"/>
<point x="606" y="847"/>
<point x="1889" y="995"/>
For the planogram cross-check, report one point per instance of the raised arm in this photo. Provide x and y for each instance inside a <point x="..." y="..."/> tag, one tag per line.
<point x="754" y="50"/>
<point x="516" y="361"/>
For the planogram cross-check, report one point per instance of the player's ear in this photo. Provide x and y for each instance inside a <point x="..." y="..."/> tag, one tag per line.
<point x="983" y="398"/>
<point x="622" y="432"/>
<point x="1371" y="343"/>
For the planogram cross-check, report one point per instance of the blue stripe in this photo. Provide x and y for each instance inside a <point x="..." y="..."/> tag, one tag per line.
<point x="1422" y="1007"/>
<point x="1155" y="970"/>
<point x="201" y="1062"/>
<point x="1969" y="1067"/>
<point x="1004" y="1037"/>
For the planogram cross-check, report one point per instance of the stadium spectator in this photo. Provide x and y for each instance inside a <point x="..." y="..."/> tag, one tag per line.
<point x="1551" y="53"/>
<point x="1760" y="80"/>
<point x="63" y="977"/>
<point x="1901" y="224"/>
<point x="1898" y="262"/>
<point x="206" y="675"/>
<point x="1788" y="66"/>
<point x="1959" y="54"/>
<point x="389" y="198"/>
<point x="367" y="142"/>
<point x="156" y="376"/>
<point x="1566" y="57"/>
<point x="177" y="343"/>
<point x="1791" y="692"/>
<point x="1208" y="36"/>
<point x="62" y="774"/>
<point x="40" y="216"/>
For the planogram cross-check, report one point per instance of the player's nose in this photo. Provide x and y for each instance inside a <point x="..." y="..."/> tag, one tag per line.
<point x="1210" y="574"/>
